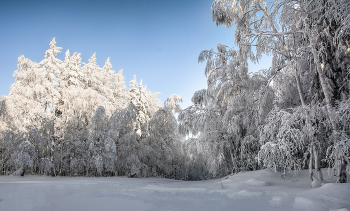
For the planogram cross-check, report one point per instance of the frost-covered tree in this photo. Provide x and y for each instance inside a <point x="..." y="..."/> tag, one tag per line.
<point x="128" y="162"/>
<point x="338" y="153"/>
<point x="51" y="104"/>
<point x="307" y="39"/>
<point x="23" y="158"/>
<point x="23" y="108"/>
<point x="295" y="33"/>
<point x="143" y="107"/>
<point x="121" y="129"/>
<point x="97" y="135"/>
<point x="172" y="103"/>
<point x="97" y="86"/>
<point x="25" y="102"/>
<point x="325" y="34"/>
<point x="78" y="119"/>
<point x="52" y="67"/>
<point x="115" y="84"/>
<point x="147" y="104"/>
<point x="109" y="155"/>
<point x="263" y="27"/>
<point x="44" y="149"/>
<point x="225" y="116"/>
<point x="163" y="139"/>
<point x="290" y="139"/>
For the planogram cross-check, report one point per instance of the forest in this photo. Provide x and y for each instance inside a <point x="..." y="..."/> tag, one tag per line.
<point x="69" y="118"/>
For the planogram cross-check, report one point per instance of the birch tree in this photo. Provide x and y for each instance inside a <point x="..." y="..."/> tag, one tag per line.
<point x="304" y="36"/>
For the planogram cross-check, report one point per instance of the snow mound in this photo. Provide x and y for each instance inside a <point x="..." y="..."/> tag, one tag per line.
<point x="316" y="183"/>
<point x="244" y="194"/>
<point x="255" y="183"/>
<point x="342" y="209"/>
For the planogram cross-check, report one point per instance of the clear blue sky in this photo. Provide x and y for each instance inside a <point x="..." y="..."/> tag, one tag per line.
<point x="157" y="40"/>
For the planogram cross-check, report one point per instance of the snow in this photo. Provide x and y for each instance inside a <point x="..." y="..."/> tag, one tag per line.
<point x="316" y="183"/>
<point x="256" y="190"/>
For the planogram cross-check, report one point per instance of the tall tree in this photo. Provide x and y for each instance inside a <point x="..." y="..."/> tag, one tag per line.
<point x="304" y="36"/>
<point x="147" y="104"/>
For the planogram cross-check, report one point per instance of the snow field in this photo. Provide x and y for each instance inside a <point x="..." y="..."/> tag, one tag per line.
<point x="257" y="190"/>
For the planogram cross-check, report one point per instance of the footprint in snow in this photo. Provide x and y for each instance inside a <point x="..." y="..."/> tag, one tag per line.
<point x="244" y="194"/>
<point x="215" y="199"/>
<point x="185" y="198"/>
<point x="160" y="198"/>
<point x="301" y="203"/>
<point x="89" y="184"/>
<point x="60" y="187"/>
<point x="129" y="185"/>
<point x="255" y="183"/>
<point x="276" y="202"/>
<point x="75" y="186"/>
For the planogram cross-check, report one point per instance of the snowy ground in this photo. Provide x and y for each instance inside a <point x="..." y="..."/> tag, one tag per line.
<point x="258" y="190"/>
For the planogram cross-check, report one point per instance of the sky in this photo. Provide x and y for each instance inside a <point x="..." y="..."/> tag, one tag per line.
<point x="158" y="41"/>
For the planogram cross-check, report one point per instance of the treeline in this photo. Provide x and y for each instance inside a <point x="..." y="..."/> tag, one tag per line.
<point x="68" y="118"/>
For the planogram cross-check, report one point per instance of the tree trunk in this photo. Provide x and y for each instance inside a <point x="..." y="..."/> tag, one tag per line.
<point x="233" y="161"/>
<point x="327" y="93"/>
<point x="22" y="171"/>
<point x="311" y="173"/>
<point x="314" y="157"/>
<point x="329" y="104"/>
<point x="319" y="174"/>
<point x="300" y="91"/>
<point x="341" y="172"/>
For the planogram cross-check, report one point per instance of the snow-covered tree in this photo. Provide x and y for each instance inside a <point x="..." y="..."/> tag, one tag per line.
<point x="109" y="154"/>
<point x="338" y="153"/>
<point x="52" y="67"/>
<point x="25" y="102"/>
<point x="23" y="158"/>
<point x="54" y="101"/>
<point x="121" y="129"/>
<point x="115" y="85"/>
<point x="62" y="109"/>
<point x="307" y="39"/>
<point x="146" y="102"/>
<point x="172" y="103"/>
<point x="163" y="138"/>
<point x="225" y="116"/>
